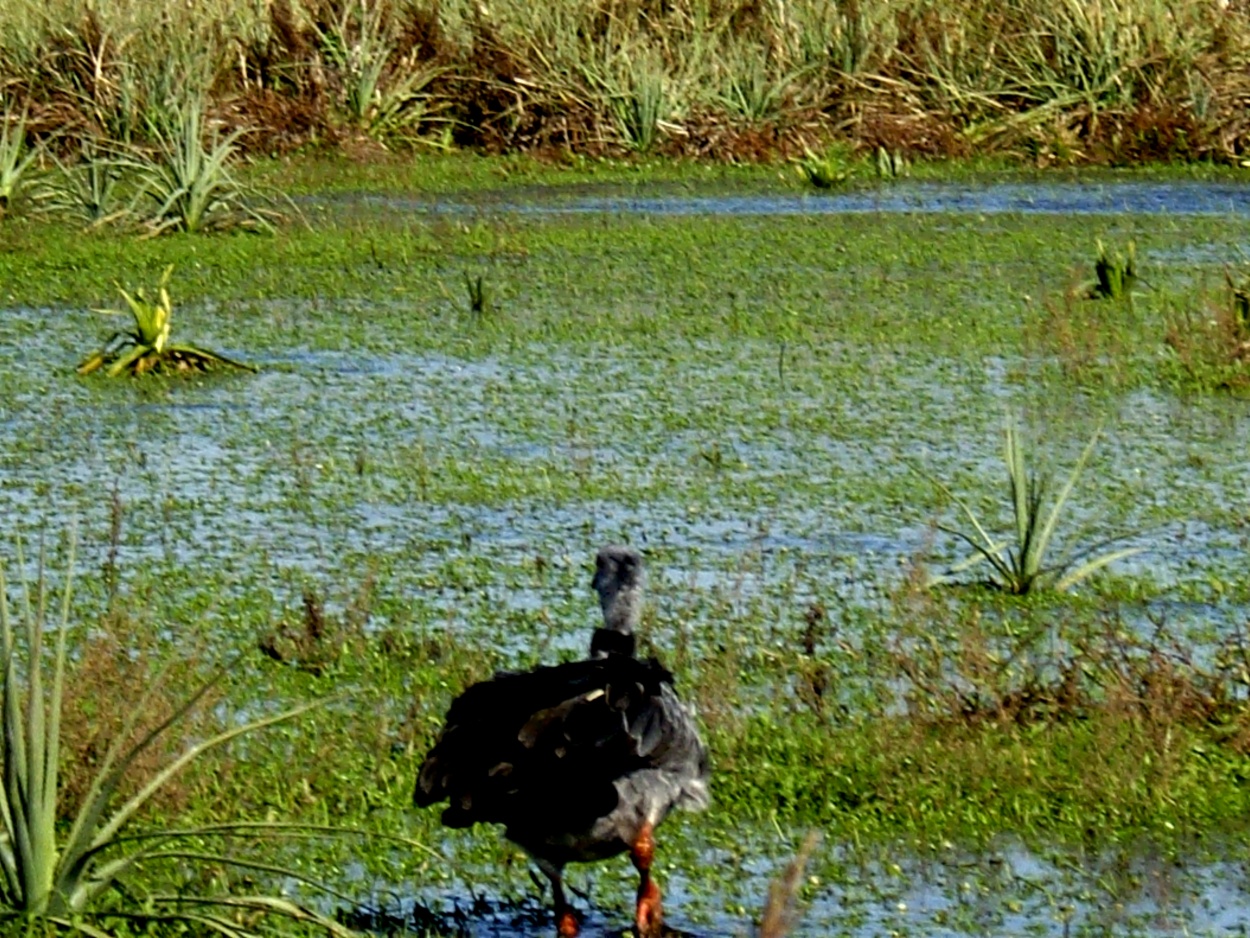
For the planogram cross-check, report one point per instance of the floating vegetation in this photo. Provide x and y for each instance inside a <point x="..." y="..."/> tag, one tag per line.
<point x="1020" y="565"/>
<point x="469" y="467"/>
<point x="147" y="349"/>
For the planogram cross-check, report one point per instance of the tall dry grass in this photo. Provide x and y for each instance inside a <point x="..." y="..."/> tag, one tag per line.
<point x="1055" y="80"/>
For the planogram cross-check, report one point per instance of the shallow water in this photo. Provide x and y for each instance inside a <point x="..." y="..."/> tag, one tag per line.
<point x="1040" y="198"/>
<point x="477" y="482"/>
<point x="1008" y="890"/>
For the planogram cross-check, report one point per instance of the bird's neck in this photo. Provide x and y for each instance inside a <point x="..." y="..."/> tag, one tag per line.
<point x="622" y="609"/>
<point x="621" y="613"/>
<point x="610" y="642"/>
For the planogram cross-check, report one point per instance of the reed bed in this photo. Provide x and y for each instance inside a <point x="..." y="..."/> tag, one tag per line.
<point x="1053" y="81"/>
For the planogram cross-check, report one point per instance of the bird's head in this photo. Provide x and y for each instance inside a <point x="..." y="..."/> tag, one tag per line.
<point x="619" y="581"/>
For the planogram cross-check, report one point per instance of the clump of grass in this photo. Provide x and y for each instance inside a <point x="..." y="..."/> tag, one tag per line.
<point x="146" y="348"/>
<point x="891" y="164"/>
<point x="1020" y="564"/>
<point x="823" y="172"/>
<point x="638" y="99"/>
<point x="480" y="303"/>
<point x="1210" y="349"/>
<point x="971" y="663"/>
<point x="1115" y="273"/>
<point x="384" y="92"/>
<point x="318" y="642"/>
<point x="1087" y="344"/>
<point x="88" y="189"/>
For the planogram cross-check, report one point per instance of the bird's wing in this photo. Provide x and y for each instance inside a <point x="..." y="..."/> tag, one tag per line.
<point x="553" y="740"/>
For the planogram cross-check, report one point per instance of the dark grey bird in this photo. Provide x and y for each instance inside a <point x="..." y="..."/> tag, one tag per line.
<point x="579" y="761"/>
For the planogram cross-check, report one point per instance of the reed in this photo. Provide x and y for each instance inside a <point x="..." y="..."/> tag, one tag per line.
<point x="1142" y="77"/>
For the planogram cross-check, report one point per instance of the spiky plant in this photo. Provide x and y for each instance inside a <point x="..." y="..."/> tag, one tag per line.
<point x="86" y="190"/>
<point x="479" y="296"/>
<point x="15" y="157"/>
<point x="1239" y="303"/>
<point x="1021" y="565"/>
<point x="79" y="877"/>
<point x="147" y="348"/>
<point x="190" y="186"/>
<point x="891" y="165"/>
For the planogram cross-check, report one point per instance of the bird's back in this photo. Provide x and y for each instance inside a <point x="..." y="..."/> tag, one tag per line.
<point x="545" y="748"/>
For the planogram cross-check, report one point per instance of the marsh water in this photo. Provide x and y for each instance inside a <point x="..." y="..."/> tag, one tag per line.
<point x="760" y="474"/>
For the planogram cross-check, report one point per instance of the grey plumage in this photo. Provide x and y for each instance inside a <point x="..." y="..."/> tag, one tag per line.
<point x="579" y="761"/>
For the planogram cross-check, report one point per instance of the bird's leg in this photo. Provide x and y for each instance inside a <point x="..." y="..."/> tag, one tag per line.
<point x="567" y="923"/>
<point x="648" y="917"/>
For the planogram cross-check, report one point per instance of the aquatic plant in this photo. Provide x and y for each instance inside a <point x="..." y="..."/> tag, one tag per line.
<point x="1209" y="348"/>
<point x="15" y="157"/>
<point x="891" y="165"/>
<point x="479" y="297"/>
<point x="781" y="912"/>
<point x="1020" y="565"/>
<point x="384" y="92"/>
<point x="1239" y="302"/>
<point x="147" y="347"/>
<point x="638" y="99"/>
<point x="71" y="877"/>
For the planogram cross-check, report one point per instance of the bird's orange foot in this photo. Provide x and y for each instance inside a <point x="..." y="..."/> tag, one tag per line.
<point x="648" y="919"/>
<point x="567" y="923"/>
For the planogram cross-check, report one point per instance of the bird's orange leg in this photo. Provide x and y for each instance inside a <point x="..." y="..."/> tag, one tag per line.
<point x="567" y="922"/>
<point x="648" y="917"/>
<point x="567" y="925"/>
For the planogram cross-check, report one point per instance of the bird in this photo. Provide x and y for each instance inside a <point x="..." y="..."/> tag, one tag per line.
<point x="579" y="761"/>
